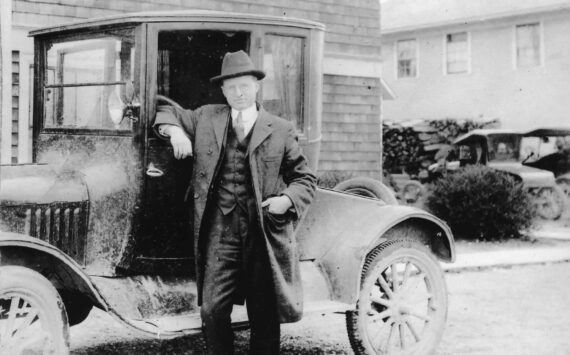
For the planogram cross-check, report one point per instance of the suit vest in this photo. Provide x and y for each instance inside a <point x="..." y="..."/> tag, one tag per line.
<point x="234" y="187"/>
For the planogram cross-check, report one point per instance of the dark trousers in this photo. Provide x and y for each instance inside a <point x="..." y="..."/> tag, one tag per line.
<point x="236" y="268"/>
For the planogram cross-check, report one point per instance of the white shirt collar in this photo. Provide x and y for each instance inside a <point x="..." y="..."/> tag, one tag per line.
<point x="249" y="116"/>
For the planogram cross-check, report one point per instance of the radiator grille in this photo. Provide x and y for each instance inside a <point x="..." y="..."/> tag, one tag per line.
<point x="63" y="225"/>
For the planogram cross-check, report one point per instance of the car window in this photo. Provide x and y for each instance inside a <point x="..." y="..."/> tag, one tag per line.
<point x="283" y="85"/>
<point x="504" y="147"/>
<point x="86" y="81"/>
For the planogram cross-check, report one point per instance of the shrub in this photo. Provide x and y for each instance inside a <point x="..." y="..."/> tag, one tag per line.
<point x="481" y="203"/>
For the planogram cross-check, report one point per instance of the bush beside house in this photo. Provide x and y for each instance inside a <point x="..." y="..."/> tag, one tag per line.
<point x="481" y="203"/>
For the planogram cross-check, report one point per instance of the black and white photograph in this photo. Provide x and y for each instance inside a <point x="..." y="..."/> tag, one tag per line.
<point x="317" y="177"/>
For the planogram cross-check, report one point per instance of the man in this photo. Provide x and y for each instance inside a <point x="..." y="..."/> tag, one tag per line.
<point x="249" y="182"/>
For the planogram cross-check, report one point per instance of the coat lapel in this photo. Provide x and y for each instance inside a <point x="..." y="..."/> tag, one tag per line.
<point x="261" y="130"/>
<point x="220" y="122"/>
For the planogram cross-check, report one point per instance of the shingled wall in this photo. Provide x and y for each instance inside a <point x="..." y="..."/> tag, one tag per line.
<point x="350" y="105"/>
<point x="351" y="128"/>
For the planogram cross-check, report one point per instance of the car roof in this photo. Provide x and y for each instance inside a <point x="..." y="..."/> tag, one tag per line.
<point x="483" y="133"/>
<point x="179" y="16"/>
<point x="549" y="132"/>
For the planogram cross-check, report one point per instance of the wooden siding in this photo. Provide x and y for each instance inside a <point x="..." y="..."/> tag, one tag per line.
<point x="351" y="126"/>
<point x="352" y="25"/>
<point x="15" y="104"/>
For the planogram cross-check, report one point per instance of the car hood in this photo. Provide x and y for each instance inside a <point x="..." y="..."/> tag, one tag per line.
<point x="530" y="176"/>
<point x="39" y="184"/>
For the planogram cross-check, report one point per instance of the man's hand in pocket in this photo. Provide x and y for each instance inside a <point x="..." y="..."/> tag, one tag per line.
<point x="277" y="204"/>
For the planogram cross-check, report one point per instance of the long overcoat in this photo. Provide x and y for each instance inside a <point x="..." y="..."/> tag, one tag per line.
<point x="277" y="168"/>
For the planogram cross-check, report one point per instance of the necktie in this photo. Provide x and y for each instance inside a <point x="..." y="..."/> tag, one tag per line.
<point x="239" y="127"/>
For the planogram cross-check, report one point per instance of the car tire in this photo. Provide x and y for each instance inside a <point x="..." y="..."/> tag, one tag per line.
<point x="367" y="187"/>
<point x="564" y="184"/>
<point x="550" y="202"/>
<point x="405" y="314"/>
<point x="413" y="193"/>
<point x="32" y="314"/>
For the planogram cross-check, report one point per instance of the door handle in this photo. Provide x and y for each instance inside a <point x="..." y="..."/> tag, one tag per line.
<point x="153" y="171"/>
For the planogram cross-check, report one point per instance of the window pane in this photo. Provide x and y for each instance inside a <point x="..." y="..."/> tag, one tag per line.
<point x="83" y="75"/>
<point x="457" y="53"/>
<point x="528" y="45"/>
<point x="406" y="51"/>
<point x="504" y="147"/>
<point x="91" y="61"/>
<point x="284" y="82"/>
<point x="82" y="107"/>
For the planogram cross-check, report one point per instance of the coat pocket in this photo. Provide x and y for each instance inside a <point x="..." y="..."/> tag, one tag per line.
<point x="277" y="224"/>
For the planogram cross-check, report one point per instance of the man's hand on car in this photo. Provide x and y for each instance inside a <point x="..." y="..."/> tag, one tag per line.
<point x="180" y="142"/>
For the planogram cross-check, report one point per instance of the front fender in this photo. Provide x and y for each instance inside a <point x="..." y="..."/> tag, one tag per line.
<point x="59" y="268"/>
<point x="340" y="230"/>
<point x="66" y="275"/>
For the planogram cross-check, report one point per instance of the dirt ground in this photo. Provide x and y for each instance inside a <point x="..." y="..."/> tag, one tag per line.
<point x="500" y="311"/>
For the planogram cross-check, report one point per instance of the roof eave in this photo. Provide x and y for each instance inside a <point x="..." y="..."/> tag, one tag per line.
<point x="475" y="19"/>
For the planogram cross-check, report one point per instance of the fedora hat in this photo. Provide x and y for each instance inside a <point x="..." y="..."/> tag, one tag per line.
<point x="237" y="64"/>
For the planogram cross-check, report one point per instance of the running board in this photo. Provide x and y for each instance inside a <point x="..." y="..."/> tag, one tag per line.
<point x="166" y="307"/>
<point x="173" y="326"/>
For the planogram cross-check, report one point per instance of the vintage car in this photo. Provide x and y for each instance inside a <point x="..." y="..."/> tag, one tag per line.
<point x="547" y="149"/>
<point x="99" y="218"/>
<point x="500" y="149"/>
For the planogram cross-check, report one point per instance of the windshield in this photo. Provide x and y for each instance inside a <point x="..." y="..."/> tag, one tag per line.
<point x="86" y="80"/>
<point x="535" y="147"/>
<point x="504" y="147"/>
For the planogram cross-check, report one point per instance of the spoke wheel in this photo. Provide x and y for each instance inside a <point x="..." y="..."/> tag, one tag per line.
<point x="402" y="306"/>
<point x="550" y="202"/>
<point x="32" y="315"/>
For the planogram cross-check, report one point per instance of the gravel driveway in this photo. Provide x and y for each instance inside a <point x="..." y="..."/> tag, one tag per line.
<point x="500" y="311"/>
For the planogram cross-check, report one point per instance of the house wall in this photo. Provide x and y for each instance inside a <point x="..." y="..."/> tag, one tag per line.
<point x="494" y="87"/>
<point x="352" y="51"/>
<point x="351" y="133"/>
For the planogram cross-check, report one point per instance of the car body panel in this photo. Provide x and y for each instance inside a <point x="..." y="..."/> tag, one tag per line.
<point x="530" y="177"/>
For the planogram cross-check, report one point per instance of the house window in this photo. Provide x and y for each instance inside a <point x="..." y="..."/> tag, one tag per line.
<point x="457" y="53"/>
<point x="407" y="58"/>
<point x="528" y="45"/>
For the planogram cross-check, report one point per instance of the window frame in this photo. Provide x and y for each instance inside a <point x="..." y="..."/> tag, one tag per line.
<point x="446" y="53"/>
<point x="41" y="83"/>
<point x="397" y="61"/>
<point x="302" y="131"/>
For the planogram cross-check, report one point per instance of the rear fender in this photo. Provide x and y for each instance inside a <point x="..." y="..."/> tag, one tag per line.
<point x="343" y="262"/>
